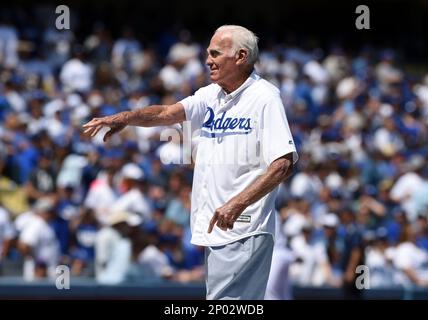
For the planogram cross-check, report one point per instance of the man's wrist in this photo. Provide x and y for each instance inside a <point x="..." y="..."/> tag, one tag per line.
<point x="125" y="118"/>
<point x="240" y="203"/>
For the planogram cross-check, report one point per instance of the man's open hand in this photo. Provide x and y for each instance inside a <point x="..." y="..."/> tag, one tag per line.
<point x="115" y="123"/>
<point x="225" y="216"/>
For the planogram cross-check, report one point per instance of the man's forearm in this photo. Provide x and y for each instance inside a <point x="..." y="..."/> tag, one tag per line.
<point x="152" y="116"/>
<point x="276" y="173"/>
<point x="146" y="117"/>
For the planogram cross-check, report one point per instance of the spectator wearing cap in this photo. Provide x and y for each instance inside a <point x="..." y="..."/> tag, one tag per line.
<point x="113" y="248"/>
<point x="38" y="243"/>
<point x="132" y="198"/>
<point x="329" y="249"/>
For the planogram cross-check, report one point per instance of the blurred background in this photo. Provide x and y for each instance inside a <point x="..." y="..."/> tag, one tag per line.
<point x="356" y="101"/>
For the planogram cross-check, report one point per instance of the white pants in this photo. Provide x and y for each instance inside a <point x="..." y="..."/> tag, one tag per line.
<point x="239" y="270"/>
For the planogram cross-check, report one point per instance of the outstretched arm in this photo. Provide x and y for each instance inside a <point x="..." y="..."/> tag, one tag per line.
<point x="278" y="171"/>
<point x="156" y="115"/>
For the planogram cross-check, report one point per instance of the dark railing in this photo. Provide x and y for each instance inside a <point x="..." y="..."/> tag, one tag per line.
<point x="17" y="288"/>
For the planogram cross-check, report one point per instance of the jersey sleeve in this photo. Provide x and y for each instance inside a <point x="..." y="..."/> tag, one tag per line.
<point x="195" y="107"/>
<point x="277" y="140"/>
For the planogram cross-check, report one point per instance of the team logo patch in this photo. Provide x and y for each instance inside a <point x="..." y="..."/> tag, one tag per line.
<point x="244" y="218"/>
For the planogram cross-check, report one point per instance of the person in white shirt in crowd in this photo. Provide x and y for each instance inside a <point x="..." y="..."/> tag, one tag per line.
<point x="132" y="198"/>
<point x="410" y="260"/>
<point x="13" y="96"/>
<point x="113" y="248"/>
<point x="382" y="272"/>
<point x="245" y="151"/>
<point x="38" y="244"/>
<point x="8" y="45"/>
<point x="328" y="249"/>
<point x="76" y="74"/>
<point x="183" y="66"/>
<point x="178" y="209"/>
<point x="387" y="73"/>
<point x="306" y="184"/>
<point x="102" y="194"/>
<point x="312" y="266"/>
<point x="7" y="235"/>
<point x="319" y="76"/>
<point x="387" y="138"/>
<point x="126" y="53"/>
<point x="125" y="50"/>
<point x="407" y="185"/>
<point x="58" y="45"/>
<point x="150" y="261"/>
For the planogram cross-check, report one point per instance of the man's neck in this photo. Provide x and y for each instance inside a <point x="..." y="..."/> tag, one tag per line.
<point x="228" y="88"/>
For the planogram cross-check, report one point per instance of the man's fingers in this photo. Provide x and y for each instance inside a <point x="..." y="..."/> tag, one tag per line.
<point x="94" y="122"/>
<point x="96" y="130"/>
<point x="222" y="225"/>
<point x="212" y="222"/>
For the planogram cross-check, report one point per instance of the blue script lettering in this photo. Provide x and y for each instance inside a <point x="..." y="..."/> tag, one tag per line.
<point x="222" y="123"/>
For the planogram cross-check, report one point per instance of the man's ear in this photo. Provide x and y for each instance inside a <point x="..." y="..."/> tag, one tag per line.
<point x="242" y="56"/>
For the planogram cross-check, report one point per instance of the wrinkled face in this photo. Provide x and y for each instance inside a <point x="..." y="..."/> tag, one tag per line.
<point x="221" y="59"/>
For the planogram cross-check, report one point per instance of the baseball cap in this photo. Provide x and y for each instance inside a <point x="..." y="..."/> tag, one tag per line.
<point x="132" y="219"/>
<point x="132" y="171"/>
<point x="43" y="205"/>
<point x="330" y="220"/>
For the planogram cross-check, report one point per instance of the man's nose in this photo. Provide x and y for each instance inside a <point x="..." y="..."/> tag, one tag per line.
<point x="209" y="61"/>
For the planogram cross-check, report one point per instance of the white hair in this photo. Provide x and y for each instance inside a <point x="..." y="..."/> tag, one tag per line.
<point x="242" y="38"/>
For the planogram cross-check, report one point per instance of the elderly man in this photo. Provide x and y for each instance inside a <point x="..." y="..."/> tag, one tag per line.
<point x="245" y="151"/>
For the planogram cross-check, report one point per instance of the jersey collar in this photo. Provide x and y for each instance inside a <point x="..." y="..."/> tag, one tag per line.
<point x="250" y="80"/>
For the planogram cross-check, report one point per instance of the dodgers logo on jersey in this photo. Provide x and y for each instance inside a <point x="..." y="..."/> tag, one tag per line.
<point x="226" y="125"/>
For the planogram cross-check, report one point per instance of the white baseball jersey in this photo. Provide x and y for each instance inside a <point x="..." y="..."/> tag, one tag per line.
<point x="240" y="134"/>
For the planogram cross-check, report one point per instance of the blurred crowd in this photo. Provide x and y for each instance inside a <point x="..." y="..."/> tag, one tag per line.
<point x="116" y="212"/>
